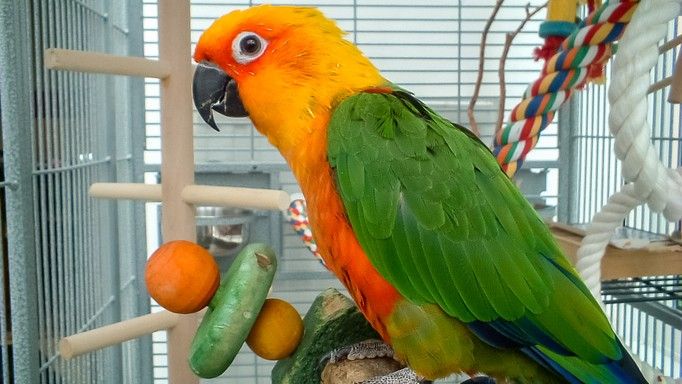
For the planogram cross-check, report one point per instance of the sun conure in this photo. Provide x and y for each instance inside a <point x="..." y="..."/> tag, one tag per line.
<point x="439" y="249"/>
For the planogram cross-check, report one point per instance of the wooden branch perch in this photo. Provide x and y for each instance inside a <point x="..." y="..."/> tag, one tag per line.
<point x="481" y="67"/>
<point x="508" y="39"/>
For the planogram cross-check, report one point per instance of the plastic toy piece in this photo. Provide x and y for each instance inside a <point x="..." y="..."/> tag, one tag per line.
<point x="182" y="276"/>
<point x="333" y="321"/>
<point x="559" y="24"/>
<point x="277" y="330"/>
<point x="233" y="311"/>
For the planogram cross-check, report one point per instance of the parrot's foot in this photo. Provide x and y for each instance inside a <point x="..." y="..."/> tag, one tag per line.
<point x="372" y="349"/>
<point x="368" y="349"/>
<point x="403" y="376"/>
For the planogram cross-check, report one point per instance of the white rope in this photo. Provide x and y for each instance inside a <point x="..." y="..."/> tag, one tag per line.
<point x="599" y="233"/>
<point x="650" y="181"/>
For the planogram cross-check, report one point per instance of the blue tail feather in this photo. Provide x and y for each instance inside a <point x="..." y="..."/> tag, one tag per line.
<point x="554" y="357"/>
<point x="576" y="370"/>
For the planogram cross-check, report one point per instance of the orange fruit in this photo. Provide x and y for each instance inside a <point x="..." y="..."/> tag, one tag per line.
<point x="182" y="276"/>
<point x="277" y="331"/>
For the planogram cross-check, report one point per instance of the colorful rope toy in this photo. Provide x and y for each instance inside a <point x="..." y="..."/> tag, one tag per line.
<point x="298" y="218"/>
<point x="564" y="72"/>
<point x="560" y="23"/>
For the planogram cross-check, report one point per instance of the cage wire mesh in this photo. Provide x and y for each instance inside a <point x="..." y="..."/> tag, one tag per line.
<point x="88" y="252"/>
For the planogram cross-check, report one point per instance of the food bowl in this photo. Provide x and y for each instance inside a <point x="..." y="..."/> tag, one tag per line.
<point x="223" y="231"/>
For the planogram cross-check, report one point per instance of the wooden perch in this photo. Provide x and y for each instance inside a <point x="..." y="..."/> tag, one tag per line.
<point x="357" y="371"/>
<point x="653" y="260"/>
<point x="130" y="191"/>
<point x="236" y="197"/>
<point x="657" y="86"/>
<point x="116" y="333"/>
<point x="481" y="67"/>
<point x="508" y="39"/>
<point x="72" y="60"/>
<point x="675" y="95"/>
<point x="204" y="195"/>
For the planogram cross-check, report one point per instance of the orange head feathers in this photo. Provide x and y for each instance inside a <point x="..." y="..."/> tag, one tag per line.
<point x="287" y="31"/>
<point x="291" y="65"/>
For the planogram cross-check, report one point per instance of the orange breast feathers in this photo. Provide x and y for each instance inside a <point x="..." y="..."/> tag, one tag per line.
<point x="335" y="238"/>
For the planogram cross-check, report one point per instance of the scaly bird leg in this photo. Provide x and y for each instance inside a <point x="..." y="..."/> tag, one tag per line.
<point x="370" y="349"/>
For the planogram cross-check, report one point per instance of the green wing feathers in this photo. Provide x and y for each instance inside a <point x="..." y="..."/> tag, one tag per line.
<point x="441" y="222"/>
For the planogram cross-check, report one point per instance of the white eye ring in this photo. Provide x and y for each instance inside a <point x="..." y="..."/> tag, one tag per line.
<point x="247" y="47"/>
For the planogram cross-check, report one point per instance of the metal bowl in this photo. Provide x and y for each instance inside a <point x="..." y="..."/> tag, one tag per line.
<point x="223" y="231"/>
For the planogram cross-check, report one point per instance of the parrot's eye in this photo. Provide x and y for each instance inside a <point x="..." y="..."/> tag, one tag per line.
<point x="247" y="47"/>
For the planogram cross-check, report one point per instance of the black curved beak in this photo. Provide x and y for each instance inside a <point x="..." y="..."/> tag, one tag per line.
<point x="214" y="90"/>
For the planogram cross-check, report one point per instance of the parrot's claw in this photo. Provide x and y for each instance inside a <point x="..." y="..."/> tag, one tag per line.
<point x="368" y="349"/>
<point x="403" y="376"/>
<point x="480" y="380"/>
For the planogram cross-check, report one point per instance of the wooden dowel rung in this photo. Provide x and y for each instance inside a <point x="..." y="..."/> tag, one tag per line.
<point x="132" y="191"/>
<point x="81" y="61"/>
<point x="203" y="195"/>
<point x="253" y="198"/>
<point x="660" y="84"/>
<point x="567" y="228"/>
<point x="675" y="94"/>
<point x="670" y="44"/>
<point x="116" y="333"/>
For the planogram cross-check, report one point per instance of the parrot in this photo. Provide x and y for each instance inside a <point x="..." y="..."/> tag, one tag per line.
<point x="441" y="252"/>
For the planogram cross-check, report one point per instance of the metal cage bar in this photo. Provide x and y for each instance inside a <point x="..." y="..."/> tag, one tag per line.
<point x="17" y="118"/>
<point x="65" y="272"/>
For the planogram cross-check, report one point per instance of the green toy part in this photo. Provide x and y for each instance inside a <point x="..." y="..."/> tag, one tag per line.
<point x="333" y="321"/>
<point x="233" y="311"/>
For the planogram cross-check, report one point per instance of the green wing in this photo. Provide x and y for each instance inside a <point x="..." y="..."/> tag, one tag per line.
<point x="441" y="222"/>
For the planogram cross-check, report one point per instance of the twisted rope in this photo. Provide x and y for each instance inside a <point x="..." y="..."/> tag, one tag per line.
<point x="650" y="181"/>
<point x="598" y="235"/>
<point x="298" y="218"/>
<point x="564" y="72"/>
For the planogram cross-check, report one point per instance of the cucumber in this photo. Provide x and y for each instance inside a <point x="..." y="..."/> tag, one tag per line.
<point x="232" y="311"/>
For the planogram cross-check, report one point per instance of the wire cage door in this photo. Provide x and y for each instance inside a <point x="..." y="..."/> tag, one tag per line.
<point x="72" y="262"/>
